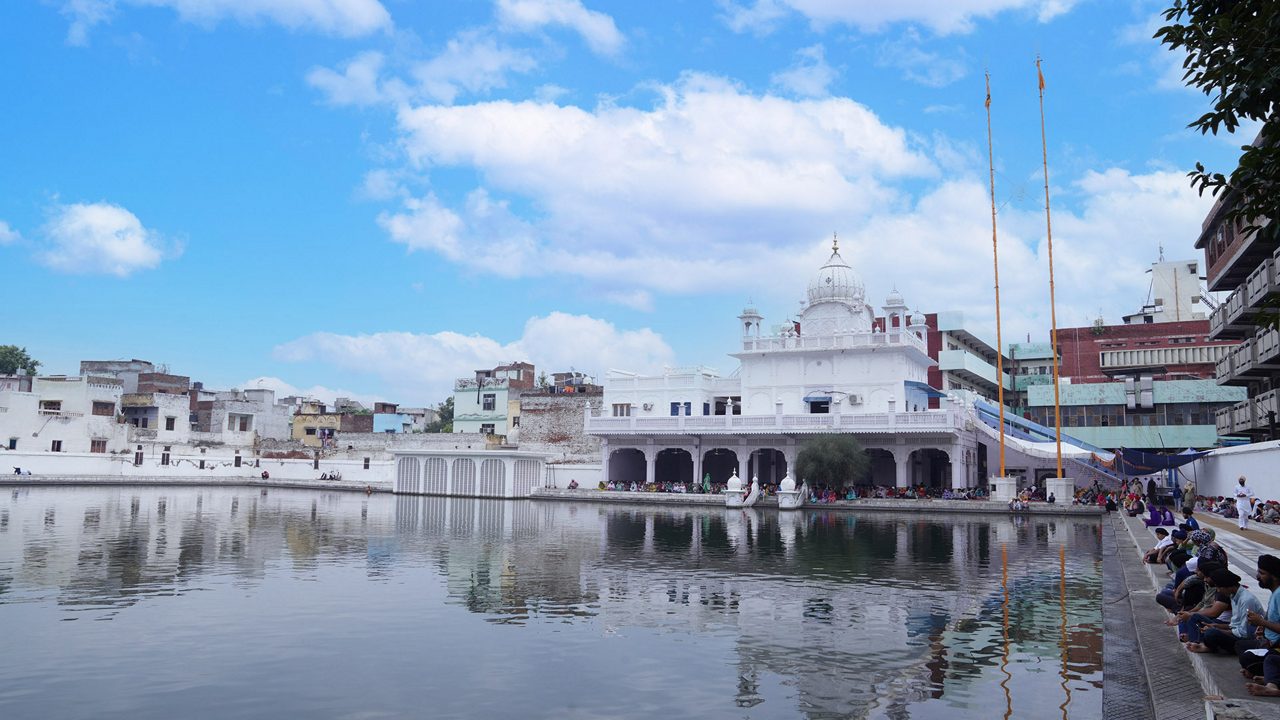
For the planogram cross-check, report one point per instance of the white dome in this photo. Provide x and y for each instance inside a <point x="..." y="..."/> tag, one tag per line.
<point x="835" y="281"/>
<point x="895" y="299"/>
<point x="917" y="319"/>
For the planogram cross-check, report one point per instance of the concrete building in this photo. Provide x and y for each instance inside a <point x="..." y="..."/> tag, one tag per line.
<point x="483" y="404"/>
<point x="64" y="414"/>
<point x="387" y="418"/>
<point x="1247" y="266"/>
<point x="420" y="417"/>
<point x="1145" y="384"/>
<point x="1175" y="295"/>
<point x="126" y="371"/>
<point x="964" y="359"/>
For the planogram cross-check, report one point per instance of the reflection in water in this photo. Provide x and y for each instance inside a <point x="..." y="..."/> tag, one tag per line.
<point x="599" y="610"/>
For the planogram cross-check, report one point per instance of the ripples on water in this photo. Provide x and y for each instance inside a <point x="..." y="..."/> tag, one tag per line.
<point x="177" y="602"/>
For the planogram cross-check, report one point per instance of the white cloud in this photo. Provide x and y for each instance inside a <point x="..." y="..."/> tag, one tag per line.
<point x="941" y="16"/>
<point x="941" y="249"/>
<point x="7" y="234"/>
<point x="711" y="182"/>
<point x="100" y="238"/>
<point x="472" y="61"/>
<point x="596" y="28"/>
<point x="357" y="84"/>
<point x="422" y="367"/>
<point x="344" y="18"/>
<point x="809" y="76"/>
<point x="917" y="64"/>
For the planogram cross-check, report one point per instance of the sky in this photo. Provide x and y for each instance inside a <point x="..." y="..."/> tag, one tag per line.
<point x="370" y="198"/>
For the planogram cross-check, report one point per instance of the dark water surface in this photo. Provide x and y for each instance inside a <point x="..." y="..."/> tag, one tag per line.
<point x="227" y="603"/>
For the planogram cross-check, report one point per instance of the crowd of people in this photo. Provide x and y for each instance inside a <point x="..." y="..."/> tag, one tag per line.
<point x="818" y="494"/>
<point x="1213" y="609"/>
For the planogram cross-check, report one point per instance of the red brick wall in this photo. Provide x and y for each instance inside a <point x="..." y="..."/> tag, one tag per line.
<point x="1080" y="347"/>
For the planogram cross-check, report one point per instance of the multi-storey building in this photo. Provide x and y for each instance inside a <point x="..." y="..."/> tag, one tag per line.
<point x="64" y="414"/>
<point x="484" y="404"/>
<point x="1244" y="264"/>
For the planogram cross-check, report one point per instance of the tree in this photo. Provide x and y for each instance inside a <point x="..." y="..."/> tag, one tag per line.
<point x="444" y="417"/>
<point x="14" y="358"/>
<point x="836" y="460"/>
<point x="1233" y="56"/>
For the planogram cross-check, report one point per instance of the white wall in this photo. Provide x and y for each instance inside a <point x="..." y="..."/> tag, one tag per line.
<point x="588" y="476"/>
<point x="1216" y="473"/>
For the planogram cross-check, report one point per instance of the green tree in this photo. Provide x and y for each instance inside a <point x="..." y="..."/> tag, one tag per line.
<point x="1233" y="56"/>
<point x="444" y="417"/>
<point x="14" y="358"/>
<point x="836" y="460"/>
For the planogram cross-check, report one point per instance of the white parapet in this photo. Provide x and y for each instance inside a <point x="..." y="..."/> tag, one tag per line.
<point x="1003" y="489"/>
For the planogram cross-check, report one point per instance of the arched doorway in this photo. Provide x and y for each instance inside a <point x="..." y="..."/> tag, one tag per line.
<point x="931" y="468"/>
<point x="883" y="468"/>
<point x="673" y="465"/>
<point x="719" y="463"/>
<point x="769" y="465"/>
<point x="626" y="465"/>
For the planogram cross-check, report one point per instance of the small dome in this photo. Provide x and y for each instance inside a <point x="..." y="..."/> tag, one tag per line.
<point x="917" y="319"/>
<point x="895" y="299"/>
<point x="835" y="281"/>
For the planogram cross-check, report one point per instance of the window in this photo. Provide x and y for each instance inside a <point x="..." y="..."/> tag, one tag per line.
<point x="366" y="463"/>
<point x="487" y="428"/>
<point x="55" y="446"/>
<point x="164" y="456"/>
<point x="675" y="409"/>
<point x="137" y="458"/>
<point x="622" y="409"/>
<point x="237" y="461"/>
<point x="105" y="409"/>
<point x="489" y="401"/>
<point x="170" y="422"/>
<point x="13" y="443"/>
<point x="201" y="463"/>
<point x="144" y="422"/>
<point x="515" y="421"/>
<point x="310" y="431"/>
<point x="97" y="446"/>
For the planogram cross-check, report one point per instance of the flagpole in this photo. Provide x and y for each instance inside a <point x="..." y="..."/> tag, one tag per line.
<point x="1053" y="311"/>
<point x="995" y="260"/>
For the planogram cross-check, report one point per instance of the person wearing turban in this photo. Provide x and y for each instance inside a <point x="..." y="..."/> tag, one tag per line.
<point x="1266" y="665"/>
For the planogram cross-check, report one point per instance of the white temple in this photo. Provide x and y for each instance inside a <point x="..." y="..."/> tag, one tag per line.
<point x="836" y="369"/>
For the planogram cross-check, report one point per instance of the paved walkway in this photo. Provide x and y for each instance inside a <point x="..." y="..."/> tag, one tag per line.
<point x="1172" y="672"/>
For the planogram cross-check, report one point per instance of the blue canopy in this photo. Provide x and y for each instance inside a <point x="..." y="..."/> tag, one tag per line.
<point x="1137" y="462"/>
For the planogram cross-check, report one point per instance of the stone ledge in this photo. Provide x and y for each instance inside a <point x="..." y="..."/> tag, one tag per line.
<point x="108" y="480"/>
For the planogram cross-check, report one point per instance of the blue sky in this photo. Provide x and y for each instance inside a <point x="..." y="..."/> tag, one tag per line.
<point x="372" y="197"/>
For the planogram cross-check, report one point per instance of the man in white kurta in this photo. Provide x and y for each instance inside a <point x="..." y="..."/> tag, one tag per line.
<point x="1244" y="503"/>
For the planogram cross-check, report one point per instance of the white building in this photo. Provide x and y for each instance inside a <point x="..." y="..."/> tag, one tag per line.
<point x="64" y="414"/>
<point x="832" y="371"/>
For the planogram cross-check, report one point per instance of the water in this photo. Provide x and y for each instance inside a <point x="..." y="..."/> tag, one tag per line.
<point x="227" y="603"/>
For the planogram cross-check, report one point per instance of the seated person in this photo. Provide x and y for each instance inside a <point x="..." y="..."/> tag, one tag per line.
<point x="1166" y="517"/>
<point x="1210" y="636"/>
<point x="1136" y="507"/>
<point x="1162" y="541"/>
<point x="1165" y="598"/>
<point x="1190" y="522"/>
<point x="573" y="484"/>
<point x="1154" y="518"/>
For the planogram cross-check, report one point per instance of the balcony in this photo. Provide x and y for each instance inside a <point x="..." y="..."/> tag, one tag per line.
<point x="1261" y="282"/>
<point x="1222" y="419"/>
<point x="1267" y="349"/>
<point x="932" y="421"/>
<point x="1266" y="408"/>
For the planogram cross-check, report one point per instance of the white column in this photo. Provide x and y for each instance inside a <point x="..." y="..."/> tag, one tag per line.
<point x="956" y="455"/>
<point x="902" y="467"/>
<point x="650" y="464"/>
<point x="604" y="459"/>
<point x="697" y="464"/>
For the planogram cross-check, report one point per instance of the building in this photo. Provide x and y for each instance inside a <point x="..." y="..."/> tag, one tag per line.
<point x="1244" y="264"/>
<point x="838" y="369"/>
<point x="1146" y="384"/>
<point x="64" y="414"/>
<point x="240" y="417"/>
<point x="483" y="404"/>
<point x="126" y="371"/>
<point x="387" y="418"/>
<point x="1175" y="295"/>
<point x="964" y="359"/>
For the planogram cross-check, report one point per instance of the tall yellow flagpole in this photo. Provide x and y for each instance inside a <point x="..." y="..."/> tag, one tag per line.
<point x="1053" y="311"/>
<point x="995" y="259"/>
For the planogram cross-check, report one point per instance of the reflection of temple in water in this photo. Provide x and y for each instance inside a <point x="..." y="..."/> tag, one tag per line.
<point x="856" y="613"/>
<point x="858" y="616"/>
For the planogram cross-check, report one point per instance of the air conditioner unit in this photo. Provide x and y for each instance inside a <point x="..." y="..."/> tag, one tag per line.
<point x="855" y="399"/>
<point x="648" y="406"/>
